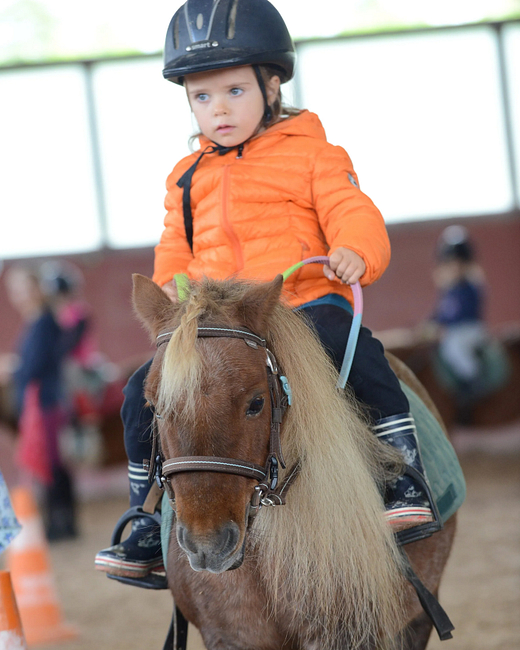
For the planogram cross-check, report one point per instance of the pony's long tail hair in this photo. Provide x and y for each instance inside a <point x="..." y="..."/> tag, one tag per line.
<point x="329" y="549"/>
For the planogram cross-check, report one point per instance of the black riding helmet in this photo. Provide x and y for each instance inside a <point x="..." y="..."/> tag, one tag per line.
<point x="208" y="35"/>
<point x="60" y="278"/>
<point x="454" y="244"/>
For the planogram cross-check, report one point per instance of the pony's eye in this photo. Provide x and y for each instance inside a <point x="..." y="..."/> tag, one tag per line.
<point x="256" y="406"/>
<point x="152" y="408"/>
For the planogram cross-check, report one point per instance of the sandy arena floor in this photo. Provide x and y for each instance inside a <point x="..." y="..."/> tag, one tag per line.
<point x="481" y="589"/>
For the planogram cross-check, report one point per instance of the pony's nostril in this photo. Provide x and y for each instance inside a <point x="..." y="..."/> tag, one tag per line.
<point x="185" y="540"/>
<point x="229" y="535"/>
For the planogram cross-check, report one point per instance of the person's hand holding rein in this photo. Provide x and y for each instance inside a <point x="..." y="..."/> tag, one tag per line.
<point x="346" y="265"/>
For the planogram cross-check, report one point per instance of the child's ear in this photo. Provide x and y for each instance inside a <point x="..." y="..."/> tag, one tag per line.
<point x="272" y="88"/>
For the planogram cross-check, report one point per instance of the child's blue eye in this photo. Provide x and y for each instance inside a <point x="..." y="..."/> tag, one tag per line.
<point x="202" y="97"/>
<point x="236" y="91"/>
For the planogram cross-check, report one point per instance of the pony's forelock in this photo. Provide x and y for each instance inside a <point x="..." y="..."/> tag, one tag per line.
<point x="181" y="368"/>
<point x="181" y="363"/>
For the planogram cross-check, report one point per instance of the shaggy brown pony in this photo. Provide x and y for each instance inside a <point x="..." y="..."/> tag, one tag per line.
<point x="323" y="570"/>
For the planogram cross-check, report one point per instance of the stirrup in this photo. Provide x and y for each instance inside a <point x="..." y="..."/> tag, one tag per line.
<point x="155" y="579"/>
<point x="421" y="531"/>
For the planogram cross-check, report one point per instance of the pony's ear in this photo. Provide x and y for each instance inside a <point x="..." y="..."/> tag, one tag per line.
<point x="258" y="304"/>
<point x="151" y="304"/>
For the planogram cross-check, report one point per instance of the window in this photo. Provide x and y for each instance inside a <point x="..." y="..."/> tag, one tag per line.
<point x="144" y="124"/>
<point x="86" y="148"/>
<point x="421" y="116"/>
<point x="512" y="55"/>
<point x="48" y="201"/>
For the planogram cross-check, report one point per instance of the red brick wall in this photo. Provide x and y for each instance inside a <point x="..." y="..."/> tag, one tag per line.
<point x="402" y="298"/>
<point x="405" y="294"/>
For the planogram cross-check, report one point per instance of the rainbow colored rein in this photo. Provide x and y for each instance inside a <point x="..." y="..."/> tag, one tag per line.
<point x="356" y="321"/>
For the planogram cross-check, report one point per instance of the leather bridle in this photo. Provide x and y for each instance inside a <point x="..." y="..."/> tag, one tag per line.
<point x="268" y="492"/>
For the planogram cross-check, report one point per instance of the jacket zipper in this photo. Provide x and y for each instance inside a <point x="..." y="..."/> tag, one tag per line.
<point x="224" y="221"/>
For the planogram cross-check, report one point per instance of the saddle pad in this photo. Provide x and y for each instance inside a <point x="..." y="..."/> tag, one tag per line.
<point x="439" y="458"/>
<point x="495" y="370"/>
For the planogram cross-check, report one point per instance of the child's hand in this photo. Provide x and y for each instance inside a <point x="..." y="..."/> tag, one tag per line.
<point x="345" y="264"/>
<point x="170" y="289"/>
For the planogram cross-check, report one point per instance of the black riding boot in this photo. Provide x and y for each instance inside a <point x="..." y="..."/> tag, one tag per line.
<point x="140" y="553"/>
<point x="409" y="504"/>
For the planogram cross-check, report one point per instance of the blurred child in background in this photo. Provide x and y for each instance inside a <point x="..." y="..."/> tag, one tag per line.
<point x="42" y="348"/>
<point x="459" y="313"/>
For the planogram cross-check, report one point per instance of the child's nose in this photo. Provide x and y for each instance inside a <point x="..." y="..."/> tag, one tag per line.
<point x="221" y="107"/>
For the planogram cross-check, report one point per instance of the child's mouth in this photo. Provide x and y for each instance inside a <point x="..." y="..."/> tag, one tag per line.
<point x="225" y="128"/>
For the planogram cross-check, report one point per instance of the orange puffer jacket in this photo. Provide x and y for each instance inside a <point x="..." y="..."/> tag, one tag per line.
<point x="291" y="195"/>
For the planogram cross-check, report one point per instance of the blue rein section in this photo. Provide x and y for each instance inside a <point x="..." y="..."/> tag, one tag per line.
<point x="349" y="352"/>
<point x="348" y="357"/>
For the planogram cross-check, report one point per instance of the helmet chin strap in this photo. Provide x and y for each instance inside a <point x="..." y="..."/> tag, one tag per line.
<point x="268" y="113"/>
<point x="185" y="183"/>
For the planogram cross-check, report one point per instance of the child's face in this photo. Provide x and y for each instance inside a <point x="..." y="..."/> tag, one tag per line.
<point x="228" y="103"/>
<point x="448" y="273"/>
<point x="24" y="291"/>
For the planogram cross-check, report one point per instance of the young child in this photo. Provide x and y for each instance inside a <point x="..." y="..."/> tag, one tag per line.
<point x="463" y="334"/>
<point x="38" y="382"/>
<point x="264" y="191"/>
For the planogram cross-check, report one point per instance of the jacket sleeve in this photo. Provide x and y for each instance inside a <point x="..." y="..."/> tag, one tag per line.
<point x="173" y="253"/>
<point x="347" y="216"/>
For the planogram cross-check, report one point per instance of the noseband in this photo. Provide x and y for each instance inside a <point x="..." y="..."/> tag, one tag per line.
<point x="268" y="492"/>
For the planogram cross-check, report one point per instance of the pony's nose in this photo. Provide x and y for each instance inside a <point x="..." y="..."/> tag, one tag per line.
<point x="215" y="552"/>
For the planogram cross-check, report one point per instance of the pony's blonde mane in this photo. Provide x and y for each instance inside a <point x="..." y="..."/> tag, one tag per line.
<point x="181" y="365"/>
<point x="328" y="550"/>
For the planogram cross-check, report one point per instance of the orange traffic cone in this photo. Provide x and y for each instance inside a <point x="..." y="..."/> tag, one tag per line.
<point x="29" y="563"/>
<point x="11" y="635"/>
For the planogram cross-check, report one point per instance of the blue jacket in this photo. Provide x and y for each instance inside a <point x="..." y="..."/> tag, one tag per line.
<point x="461" y="303"/>
<point x="42" y="349"/>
